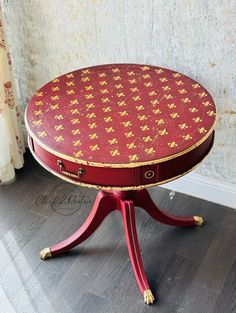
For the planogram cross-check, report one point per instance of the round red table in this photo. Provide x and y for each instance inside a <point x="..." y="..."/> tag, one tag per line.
<point x="121" y="128"/>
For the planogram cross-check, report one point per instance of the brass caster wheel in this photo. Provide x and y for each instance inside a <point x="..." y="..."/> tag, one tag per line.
<point x="45" y="254"/>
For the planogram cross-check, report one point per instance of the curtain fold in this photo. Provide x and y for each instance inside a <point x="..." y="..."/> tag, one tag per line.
<point x="11" y="138"/>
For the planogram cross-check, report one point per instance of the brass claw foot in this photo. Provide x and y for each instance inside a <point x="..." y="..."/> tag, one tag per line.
<point x="198" y="220"/>
<point x="148" y="296"/>
<point x="45" y="254"/>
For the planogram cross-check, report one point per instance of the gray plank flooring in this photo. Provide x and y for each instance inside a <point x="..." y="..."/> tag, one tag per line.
<point x="190" y="270"/>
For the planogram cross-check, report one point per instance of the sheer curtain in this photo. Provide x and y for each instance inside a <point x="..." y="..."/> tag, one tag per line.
<point x="11" y="139"/>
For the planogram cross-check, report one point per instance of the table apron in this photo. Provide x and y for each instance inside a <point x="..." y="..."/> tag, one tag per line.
<point x="123" y="177"/>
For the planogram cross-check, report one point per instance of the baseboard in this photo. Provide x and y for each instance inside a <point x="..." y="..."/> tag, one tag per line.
<point x="206" y="188"/>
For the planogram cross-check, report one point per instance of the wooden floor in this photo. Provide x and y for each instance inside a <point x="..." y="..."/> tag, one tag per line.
<point x="190" y="270"/>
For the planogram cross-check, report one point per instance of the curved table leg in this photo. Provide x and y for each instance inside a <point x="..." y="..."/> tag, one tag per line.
<point x="128" y="215"/>
<point x="142" y="199"/>
<point x="104" y="204"/>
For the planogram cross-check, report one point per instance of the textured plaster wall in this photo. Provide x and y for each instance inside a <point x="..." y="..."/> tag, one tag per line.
<point x="51" y="37"/>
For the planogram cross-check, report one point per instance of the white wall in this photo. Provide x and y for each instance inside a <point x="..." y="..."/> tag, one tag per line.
<point x="50" y="37"/>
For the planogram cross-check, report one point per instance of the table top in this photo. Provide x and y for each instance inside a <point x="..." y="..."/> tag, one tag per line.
<point x="121" y="115"/>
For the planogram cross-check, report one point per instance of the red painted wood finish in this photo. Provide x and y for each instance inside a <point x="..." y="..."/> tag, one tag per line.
<point x="124" y="125"/>
<point x="123" y="178"/>
<point x="121" y="127"/>
<point x="124" y="201"/>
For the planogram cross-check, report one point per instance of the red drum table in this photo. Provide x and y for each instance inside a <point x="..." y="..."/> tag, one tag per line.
<point x="121" y="128"/>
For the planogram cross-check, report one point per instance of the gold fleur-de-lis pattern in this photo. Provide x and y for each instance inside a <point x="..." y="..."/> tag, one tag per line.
<point x="121" y="114"/>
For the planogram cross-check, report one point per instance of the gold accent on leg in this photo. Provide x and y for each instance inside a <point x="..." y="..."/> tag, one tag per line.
<point x="45" y="254"/>
<point x="198" y="220"/>
<point x="148" y="296"/>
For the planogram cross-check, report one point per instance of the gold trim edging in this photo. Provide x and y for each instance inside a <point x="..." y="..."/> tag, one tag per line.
<point x="110" y="187"/>
<point x="115" y="165"/>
